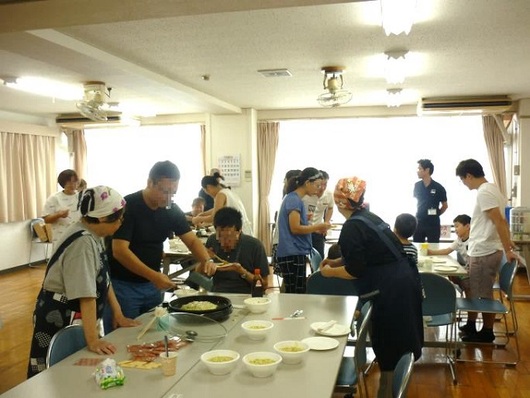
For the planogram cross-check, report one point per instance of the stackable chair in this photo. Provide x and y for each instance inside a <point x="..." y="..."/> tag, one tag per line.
<point x="318" y="284"/>
<point x="439" y="310"/>
<point x="402" y="374"/>
<point x="314" y="260"/>
<point x="352" y="369"/>
<point x="503" y="307"/>
<point x="64" y="343"/>
<point x="197" y="280"/>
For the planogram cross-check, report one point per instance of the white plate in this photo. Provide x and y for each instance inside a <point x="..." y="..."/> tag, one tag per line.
<point x="335" y="330"/>
<point x="445" y="268"/>
<point x="321" y="343"/>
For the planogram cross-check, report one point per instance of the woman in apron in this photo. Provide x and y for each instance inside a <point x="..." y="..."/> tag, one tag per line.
<point x="77" y="284"/>
<point x="372" y="254"/>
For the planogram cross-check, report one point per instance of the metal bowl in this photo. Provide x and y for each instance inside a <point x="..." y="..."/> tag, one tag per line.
<point x="221" y="313"/>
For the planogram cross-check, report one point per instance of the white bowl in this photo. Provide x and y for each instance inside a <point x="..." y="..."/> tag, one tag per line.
<point x="257" y="305"/>
<point x="262" y="370"/>
<point x="257" y="330"/>
<point x="220" y="367"/>
<point x="292" y="351"/>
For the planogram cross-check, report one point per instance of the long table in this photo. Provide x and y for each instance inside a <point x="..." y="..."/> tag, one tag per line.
<point x="68" y="380"/>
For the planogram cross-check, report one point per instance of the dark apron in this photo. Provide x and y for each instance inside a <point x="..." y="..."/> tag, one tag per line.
<point x="395" y="291"/>
<point x="53" y="311"/>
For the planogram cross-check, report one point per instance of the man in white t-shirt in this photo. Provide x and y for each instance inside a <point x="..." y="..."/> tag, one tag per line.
<point x="488" y="237"/>
<point x="319" y="209"/>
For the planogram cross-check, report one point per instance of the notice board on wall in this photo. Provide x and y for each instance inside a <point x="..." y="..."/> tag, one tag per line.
<point x="230" y="168"/>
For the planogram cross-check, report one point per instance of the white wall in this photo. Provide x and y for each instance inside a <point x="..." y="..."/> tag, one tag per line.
<point x="523" y="190"/>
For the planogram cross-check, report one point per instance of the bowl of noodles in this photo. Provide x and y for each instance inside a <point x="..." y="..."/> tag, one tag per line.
<point x="217" y="308"/>
<point x="220" y="362"/>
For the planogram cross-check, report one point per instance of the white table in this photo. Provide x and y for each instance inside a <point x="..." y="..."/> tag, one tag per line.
<point x="315" y="378"/>
<point x="66" y="380"/>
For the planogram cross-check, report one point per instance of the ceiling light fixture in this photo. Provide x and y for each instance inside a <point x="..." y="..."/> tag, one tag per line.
<point x="334" y="82"/>
<point x="45" y="87"/>
<point x="396" y="66"/>
<point x="394" y="97"/>
<point x="397" y="16"/>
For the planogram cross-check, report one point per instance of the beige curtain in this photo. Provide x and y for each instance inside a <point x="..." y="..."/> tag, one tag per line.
<point x="495" y="145"/>
<point x="77" y="138"/>
<point x="268" y="136"/>
<point x="27" y="175"/>
<point x="203" y="149"/>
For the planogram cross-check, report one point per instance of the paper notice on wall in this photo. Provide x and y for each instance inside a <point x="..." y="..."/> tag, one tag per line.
<point x="230" y="168"/>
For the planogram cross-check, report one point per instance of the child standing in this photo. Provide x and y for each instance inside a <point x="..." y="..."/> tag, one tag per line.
<point x="404" y="228"/>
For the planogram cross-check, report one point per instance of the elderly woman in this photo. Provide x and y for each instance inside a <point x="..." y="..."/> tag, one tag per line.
<point x="373" y="254"/>
<point x="77" y="284"/>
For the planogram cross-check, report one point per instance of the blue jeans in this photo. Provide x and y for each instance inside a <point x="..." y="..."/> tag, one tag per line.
<point x="134" y="298"/>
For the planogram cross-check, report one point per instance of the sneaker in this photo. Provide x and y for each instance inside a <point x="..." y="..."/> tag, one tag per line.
<point x="468" y="329"/>
<point x="484" y="336"/>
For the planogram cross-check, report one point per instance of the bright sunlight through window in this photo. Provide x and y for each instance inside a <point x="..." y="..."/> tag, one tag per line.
<point x="384" y="152"/>
<point x="122" y="157"/>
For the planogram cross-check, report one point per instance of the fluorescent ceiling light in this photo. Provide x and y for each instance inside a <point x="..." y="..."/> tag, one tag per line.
<point x="396" y="66"/>
<point x="45" y="87"/>
<point x="394" y="97"/>
<point x="397" y="16"/>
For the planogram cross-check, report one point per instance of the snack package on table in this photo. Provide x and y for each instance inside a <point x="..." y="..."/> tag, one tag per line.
<point x="108" y="374"/>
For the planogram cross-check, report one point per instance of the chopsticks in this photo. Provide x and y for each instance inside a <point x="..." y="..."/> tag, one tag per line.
<point x="220" y="259"/>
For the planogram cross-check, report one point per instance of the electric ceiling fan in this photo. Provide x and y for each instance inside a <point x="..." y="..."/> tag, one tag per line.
<point x="333" y="82"/>
<point x="94" y="104"/>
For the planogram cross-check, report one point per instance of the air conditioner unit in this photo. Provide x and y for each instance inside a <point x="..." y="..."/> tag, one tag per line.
<point x="458" y="105"/>
<point x="77" y="120"/>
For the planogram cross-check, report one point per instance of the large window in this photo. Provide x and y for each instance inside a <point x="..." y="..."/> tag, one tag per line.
<point x="384" y="151"/>
<point x="122" y="157"/>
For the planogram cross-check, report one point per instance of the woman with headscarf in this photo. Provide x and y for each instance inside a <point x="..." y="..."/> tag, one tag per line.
<point x="294" y="243"/>
<point x="372" y="253"/>
<point x="77" y="284"/>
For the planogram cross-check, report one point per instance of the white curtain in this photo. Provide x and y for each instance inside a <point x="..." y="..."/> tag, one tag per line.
<point x="27" y="175"/>
<point x="495" y="145"/>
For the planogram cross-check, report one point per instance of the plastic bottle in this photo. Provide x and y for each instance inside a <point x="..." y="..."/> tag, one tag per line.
<point x="257" y="284"/>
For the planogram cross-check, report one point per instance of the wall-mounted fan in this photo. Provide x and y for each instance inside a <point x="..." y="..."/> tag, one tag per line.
<point x="94" y="104"/>
<point x="333" y="82"/>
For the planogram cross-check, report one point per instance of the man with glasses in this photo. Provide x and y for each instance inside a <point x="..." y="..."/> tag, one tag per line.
<point x="238" y="255"/>
<point x="135" y="251"/>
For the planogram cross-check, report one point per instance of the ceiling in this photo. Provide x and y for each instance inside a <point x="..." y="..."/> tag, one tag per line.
<point x="154" y="53"/>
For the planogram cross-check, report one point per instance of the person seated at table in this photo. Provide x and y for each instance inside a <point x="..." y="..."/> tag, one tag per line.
<point x="462" y="225"/>
<point x="197" y="207"/>
<point x="241" y="252"/>
<point x="404" y="228"/>
<point x="77" y="284"/>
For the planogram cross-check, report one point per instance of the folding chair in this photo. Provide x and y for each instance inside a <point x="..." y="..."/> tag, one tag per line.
<point x="64" y="343"/>
<point x="497" y="306"/>
<point x="402" y="374"/>
<point x="439" y="309"/>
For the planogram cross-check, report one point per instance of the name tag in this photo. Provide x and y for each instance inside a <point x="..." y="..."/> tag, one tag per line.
<point x="432" y="212"/>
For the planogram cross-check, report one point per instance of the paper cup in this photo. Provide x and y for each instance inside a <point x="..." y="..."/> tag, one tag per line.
<point x="169" y="363"/>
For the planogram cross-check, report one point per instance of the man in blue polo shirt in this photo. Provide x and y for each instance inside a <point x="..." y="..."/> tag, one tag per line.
<point x="430" y="196"/>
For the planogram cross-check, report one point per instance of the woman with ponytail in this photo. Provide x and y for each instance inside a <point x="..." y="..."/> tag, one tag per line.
<point x="294" y="243"/>
<point x="77" y="284"/>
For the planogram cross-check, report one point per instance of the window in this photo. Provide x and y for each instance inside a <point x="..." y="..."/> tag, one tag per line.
<point x="384" y="152"/>
<point x="122" y="157"/>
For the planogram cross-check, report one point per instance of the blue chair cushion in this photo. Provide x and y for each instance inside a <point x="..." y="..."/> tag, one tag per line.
<point x="347" y="373"/>
<point x="480" y="305"/>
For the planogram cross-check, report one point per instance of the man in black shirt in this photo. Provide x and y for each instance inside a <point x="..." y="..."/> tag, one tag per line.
<point x="430" y="195"/>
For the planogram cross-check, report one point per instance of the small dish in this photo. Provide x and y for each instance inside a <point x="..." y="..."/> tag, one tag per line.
<point x="292" y="351"/>
<point x="257" y="305"/>
<point x="321" y="343"/>
<point x="257" y="329"/>
<point x="445" y="268"/>
<point x="335" y="330"/>
<point x="262" y="364"/>
<point x="220" y="362"/>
